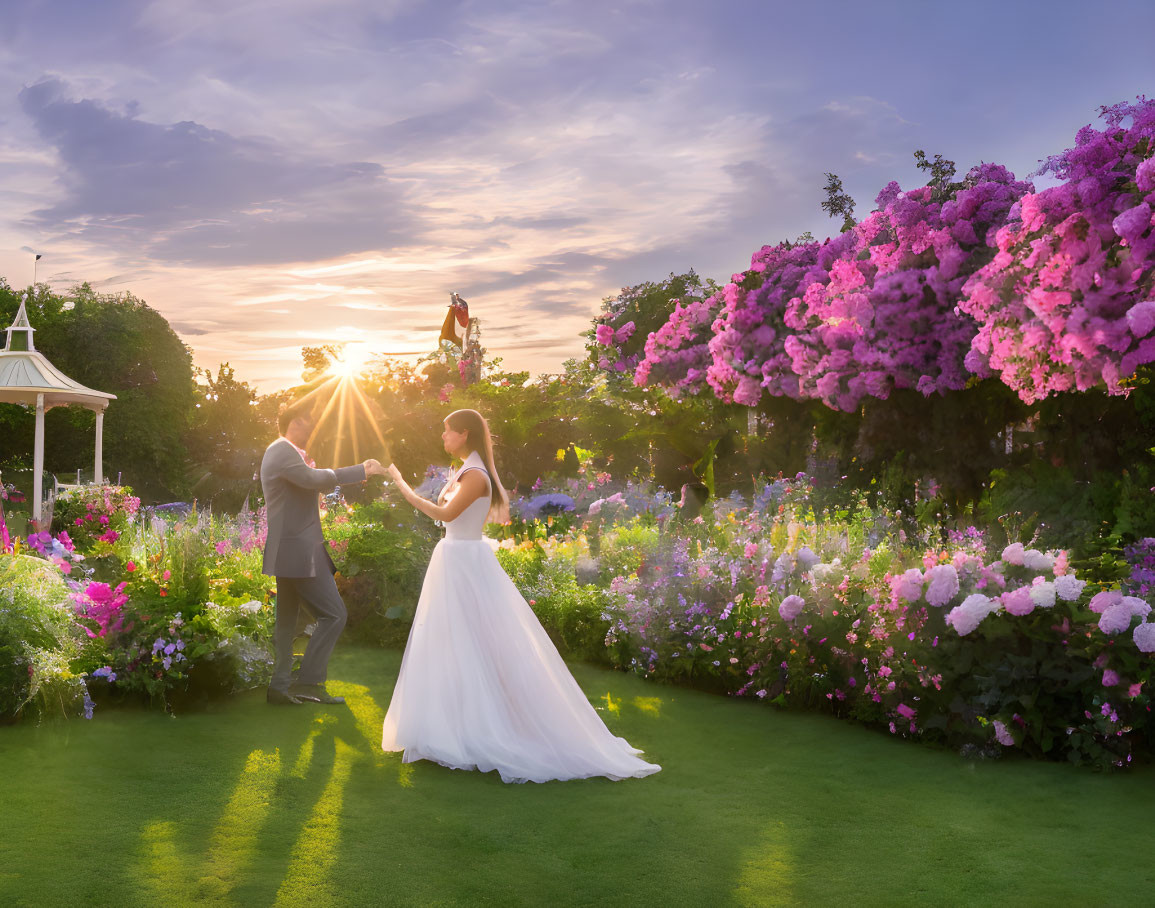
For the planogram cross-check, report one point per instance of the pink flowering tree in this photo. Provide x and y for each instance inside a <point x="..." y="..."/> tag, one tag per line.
<point x="616" y="343"/>
<point x="677" y="355"/>
<point x="885" y="316"/>
<point x="749" y="357"/>
<point x="1068" y="301"/>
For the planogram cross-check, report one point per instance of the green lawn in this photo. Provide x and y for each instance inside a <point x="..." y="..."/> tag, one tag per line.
<point x="247" y="804"/>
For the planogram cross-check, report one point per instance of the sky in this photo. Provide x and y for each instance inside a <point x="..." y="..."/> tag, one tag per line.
<point x="270" y="174"/>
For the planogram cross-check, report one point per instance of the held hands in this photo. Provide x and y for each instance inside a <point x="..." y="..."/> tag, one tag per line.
<point x="393" y="473"/>
<point x="373" y="468"/>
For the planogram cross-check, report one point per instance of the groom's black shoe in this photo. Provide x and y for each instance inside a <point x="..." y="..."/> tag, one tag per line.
<point x="315" y="693"/>
<point x="281" y="698"/>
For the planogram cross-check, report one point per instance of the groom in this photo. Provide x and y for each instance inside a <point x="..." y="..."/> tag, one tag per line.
<point x="295" y="554"/>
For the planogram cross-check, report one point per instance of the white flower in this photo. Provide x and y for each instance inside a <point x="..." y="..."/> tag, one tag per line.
<point x="1035" y="560"/>
<point x="252" y="607"/>
<point x="1069" y="587"/>
<point x="966" y="617"/>
<point x="824" y="572"/>
<point x="1043" y="595"/>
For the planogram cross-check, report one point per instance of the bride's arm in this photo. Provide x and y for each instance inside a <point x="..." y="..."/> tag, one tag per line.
<point x="471" y="486"/>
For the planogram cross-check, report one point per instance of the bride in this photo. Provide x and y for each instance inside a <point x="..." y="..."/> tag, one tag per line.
<point x="481" y="684"/>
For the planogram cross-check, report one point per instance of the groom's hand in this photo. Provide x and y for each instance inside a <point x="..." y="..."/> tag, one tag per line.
<point x="373" y="468"/>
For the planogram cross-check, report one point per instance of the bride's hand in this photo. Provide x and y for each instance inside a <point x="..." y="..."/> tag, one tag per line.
<point x="393" y="473"/>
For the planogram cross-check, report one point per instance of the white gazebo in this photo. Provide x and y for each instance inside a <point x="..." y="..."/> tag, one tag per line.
<point x="27" y="377"/>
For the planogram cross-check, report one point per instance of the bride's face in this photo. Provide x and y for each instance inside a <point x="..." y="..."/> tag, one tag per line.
<point x="456" y="443"/>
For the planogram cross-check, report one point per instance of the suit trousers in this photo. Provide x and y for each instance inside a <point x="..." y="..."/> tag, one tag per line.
<point x="318" y="595"/>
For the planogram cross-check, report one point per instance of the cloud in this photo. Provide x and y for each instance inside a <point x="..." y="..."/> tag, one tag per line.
<point x="187" y="193"/>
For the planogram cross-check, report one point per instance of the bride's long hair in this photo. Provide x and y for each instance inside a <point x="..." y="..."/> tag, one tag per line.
<point x="473" y="423"/>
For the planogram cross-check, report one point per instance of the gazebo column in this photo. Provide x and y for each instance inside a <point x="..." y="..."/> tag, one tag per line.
<point x="98" y="471"/>
<point x="38" y="462"/>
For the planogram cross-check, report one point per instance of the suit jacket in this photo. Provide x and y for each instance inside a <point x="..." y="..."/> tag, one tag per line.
<point x="294" y="545"/>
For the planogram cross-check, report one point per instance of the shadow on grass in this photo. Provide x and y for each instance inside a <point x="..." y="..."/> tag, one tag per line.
<point x="249" y="805"/>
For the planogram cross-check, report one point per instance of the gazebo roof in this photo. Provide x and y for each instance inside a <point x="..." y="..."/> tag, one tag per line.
<point x="26" y="374"/>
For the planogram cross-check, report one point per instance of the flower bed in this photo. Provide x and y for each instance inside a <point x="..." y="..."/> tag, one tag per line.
<point x="137" y="605"/>
<point x="867" y="617"/>
<point x="921" y="630"/>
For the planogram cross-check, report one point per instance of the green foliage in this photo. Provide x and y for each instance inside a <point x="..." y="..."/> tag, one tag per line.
<point x="838" y="203"/>
<point x="34" y="619"/>
<point x="117" y="344"/>
<point x="229" y="431"/>
<point x="572" y="612"/>
<point x="381" y="551"/>
<point x="941" y="173"/>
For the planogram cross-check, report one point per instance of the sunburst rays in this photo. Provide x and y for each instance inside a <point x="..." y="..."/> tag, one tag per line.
<point x="346" y="428"/>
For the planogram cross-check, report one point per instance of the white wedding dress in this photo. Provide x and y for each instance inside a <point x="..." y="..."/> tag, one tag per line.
<point x="481" y="684"/>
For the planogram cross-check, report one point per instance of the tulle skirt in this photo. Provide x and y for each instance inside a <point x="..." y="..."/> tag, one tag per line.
<point x="483" y="687"/>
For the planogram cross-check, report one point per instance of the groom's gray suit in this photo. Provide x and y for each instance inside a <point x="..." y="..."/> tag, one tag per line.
<point x="295" y="554"/>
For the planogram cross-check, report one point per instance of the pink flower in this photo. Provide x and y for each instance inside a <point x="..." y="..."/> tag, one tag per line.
<point x="1135" y="689"/>
<point x="908" y="585"/>
<point x="791" y="607"/>
<point x="1115" y="619"/>
<point x="941" y="584"/>
<point x="1013" y="553"/>
<point x="130" y="567"/>
<point x="1003" y="734"/>
<point x="1100" y="602"/>
<point x="1144" y="637"/>
<point x="751" y="549"/>
<point x="1110" y="678"/>
<point x="1018" y="602"/>
<point x="604" y="334"/>
<point x="905" y="711"/>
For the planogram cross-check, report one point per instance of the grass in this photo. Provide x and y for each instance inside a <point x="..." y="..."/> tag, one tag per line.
<point x="245" y="804"/>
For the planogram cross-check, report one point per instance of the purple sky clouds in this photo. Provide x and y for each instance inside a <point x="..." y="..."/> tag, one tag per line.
<point x="274" y="174"/>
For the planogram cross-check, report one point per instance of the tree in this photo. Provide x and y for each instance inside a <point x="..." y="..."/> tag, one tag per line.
<point x="838" y="203"/>
<point x="114" y="343"/>
<point x="229" y="431"/>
